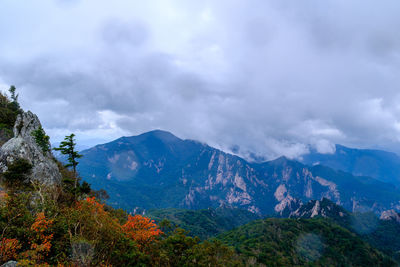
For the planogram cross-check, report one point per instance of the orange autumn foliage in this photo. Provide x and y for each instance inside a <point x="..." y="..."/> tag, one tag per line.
<point x="8" y="249"/>
<point x="141" y="229"/>
<point x="92" y="220"/>
<point x="40" y="240"/>
<point x="90" y="202"/>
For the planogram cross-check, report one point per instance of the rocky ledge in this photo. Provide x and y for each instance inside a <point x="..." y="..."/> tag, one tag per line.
<point x="23" y="146"/>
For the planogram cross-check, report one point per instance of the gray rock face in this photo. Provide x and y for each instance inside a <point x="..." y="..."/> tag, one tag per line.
<point x="390" y="215"/>
<point x="23" y="146"/>
<point x="189" y="174"/>
<point x="319" y="208"/>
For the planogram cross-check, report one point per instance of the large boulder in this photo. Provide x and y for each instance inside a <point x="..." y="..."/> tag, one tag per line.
<point x="23" y="146"/>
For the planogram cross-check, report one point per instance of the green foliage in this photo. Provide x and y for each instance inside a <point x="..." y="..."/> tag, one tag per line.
<point x="87" y="233"/>
<point x="363" y="223"/>
<point x="385" y="236"/>
<point x="179" y="249"/>
<point x="204" y="223"/>
<point x="83" y="231"/>
<point x="302" y="242"/>
<point x="9" y="109"/>
<point x="16" y="175"/>
<point x="16" y="217"/>
<point x="14" y="96"/>
<point x="68" y="147"/>
<point x="69" y="191"/>
<point x="14" y="105"/>
<point x="42" y="140"/>
<point x="5" y="132"/>
<point x="85" y="188"/>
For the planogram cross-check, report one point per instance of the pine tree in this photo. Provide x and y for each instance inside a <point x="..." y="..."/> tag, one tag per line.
<point x="67" y="147"/>
<point x="14" y="96"/>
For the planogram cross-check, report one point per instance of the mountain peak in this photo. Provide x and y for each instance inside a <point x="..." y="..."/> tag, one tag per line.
<point x="164" y="136"/>
<point x="161" y="134"/>
<point x="280" y="160"/>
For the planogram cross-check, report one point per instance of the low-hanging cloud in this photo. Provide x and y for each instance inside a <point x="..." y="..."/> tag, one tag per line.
<point x="264" y="77"/>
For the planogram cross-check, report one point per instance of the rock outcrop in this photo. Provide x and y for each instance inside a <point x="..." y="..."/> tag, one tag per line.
<point x="390" y="215"/>
<point x="189" y="174"/>
<point x="324" y="208"/>
<point x="23" y="146"/>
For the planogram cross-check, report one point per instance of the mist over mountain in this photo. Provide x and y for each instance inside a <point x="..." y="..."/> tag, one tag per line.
<point x="379" y="164"/>
<point x="159" y="170"/>
<point x="272" y="116"/>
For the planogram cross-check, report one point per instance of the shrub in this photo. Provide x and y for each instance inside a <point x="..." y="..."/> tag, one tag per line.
<point x="16" y="177"/>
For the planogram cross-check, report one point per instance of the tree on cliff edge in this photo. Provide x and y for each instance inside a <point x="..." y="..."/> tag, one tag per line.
<point x="67" y="147"/>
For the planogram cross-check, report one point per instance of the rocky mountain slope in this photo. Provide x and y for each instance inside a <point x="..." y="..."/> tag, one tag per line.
<point x="159" y="170"/>
<point x="379" y="164"/>
<point x="23" y="146"/>
<point x="320" y="208"/>
<point x="380" y="232"/>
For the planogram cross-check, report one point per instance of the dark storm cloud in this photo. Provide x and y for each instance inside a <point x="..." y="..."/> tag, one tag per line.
<point x="270" y="77"/>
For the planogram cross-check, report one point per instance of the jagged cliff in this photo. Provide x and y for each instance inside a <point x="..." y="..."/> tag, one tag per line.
<point x="24" y="146"/>
<point x="159" y="170"/>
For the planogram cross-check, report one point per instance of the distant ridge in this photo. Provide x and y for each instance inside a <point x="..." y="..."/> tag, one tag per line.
<point x="379" y="164"/>
<point x="159" y="170"/>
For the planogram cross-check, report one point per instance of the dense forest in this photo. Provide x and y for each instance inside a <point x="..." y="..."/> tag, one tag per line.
<point x="204" y="223"/>
<point x="302" y="242"/>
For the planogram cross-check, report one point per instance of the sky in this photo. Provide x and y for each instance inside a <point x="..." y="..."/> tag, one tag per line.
<point x="261" y="77"/>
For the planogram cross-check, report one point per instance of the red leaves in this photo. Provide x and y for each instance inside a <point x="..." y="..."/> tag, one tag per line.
<point x="40" y="240"/>
<point x="141" y="229"/>
<point x="8" y="249"/>
<point x="41" y="224"/>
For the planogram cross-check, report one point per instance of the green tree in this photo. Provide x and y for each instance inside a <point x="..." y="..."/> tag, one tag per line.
<point x="14" y="105"/>
<point x="68" y="147"/>
<point x="14" y="96"/>
<point x="42" y="140"/>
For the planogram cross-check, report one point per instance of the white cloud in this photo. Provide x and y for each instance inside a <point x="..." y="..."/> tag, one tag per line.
<point x="272" y="77"/>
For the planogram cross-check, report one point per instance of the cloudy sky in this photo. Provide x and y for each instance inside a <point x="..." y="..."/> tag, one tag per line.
<point x="271" y="77"/>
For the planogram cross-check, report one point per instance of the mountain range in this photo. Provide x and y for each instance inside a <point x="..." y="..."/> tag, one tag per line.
<point x="379" y="164"/>
<point x="159" y="170"/>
